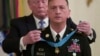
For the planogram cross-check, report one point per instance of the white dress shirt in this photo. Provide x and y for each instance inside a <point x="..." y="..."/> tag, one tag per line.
<point x="60" y="33"/>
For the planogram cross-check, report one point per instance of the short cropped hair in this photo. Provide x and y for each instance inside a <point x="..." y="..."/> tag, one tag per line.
<point x="65" y="0"/>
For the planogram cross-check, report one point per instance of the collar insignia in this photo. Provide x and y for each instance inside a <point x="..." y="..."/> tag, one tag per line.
<point x="47" y="35"/>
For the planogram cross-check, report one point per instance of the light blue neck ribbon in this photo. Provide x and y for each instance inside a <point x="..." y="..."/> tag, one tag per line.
<point x="53" y="44"/>
<point x="60" y="43"/>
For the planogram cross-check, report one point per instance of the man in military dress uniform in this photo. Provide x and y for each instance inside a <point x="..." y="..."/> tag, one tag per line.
<point x="23" y="34"/>
<point x="57" y="33"/>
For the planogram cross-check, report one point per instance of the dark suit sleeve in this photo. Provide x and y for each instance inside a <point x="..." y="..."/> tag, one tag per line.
<point x="85" y="47"/>
<point x="12" y="40"/>
<point x="72" y="25"/>
<point x="94" y="37"/>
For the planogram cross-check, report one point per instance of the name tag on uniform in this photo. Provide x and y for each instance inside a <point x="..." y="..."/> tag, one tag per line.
<point x="40" y="53"/>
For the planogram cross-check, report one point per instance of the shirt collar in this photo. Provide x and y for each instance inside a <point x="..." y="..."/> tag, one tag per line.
<point x="54" y="33"/>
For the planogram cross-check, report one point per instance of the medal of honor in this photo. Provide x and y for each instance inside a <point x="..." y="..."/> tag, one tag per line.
<point x="57" y="50"/>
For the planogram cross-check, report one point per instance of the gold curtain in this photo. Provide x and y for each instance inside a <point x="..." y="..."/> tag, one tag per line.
<point x="89" y="2"/>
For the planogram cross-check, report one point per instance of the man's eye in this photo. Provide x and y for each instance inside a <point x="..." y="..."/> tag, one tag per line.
<point x="35" y="2"/>
<point x="44" y="1"/>
<point x="53" y="7"/>
<point x="62" y="7"/>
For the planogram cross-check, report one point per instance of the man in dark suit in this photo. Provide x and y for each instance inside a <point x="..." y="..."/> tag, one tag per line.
<point x="23" y="31"/>
<point x="55" y="34"/>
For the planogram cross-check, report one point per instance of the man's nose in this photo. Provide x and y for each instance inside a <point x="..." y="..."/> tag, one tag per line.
<point x="40" y="4"/>
<point x="58" y="11"/>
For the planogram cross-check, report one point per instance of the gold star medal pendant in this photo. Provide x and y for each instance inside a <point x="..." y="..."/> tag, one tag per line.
<point x="57" y="50"/>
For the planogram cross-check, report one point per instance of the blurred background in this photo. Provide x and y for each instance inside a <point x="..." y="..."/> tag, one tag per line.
<point x="84" y="10"/>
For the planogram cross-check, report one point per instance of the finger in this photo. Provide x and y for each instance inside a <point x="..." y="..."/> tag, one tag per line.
<point x="84" y="26"/>
<point x="36" y="35"/>
<point x="36" y="39"/>
<point x="83" y="29"/>
<point x="35" y="31"/>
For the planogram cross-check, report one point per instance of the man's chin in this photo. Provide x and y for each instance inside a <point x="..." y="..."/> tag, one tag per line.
<point x="42" y="15"/>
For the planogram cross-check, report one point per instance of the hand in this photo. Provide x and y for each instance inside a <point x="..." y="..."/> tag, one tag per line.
<point x="84" y="27"/>
<point x="32" y="37"/>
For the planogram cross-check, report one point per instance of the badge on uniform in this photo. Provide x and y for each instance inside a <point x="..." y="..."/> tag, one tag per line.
<point x="74" y="47"/>
<point x="57" y="50"/>
<point x="74" y="54"/>
<point x="72" y="29"/>
<point x="40" y="49"/>
<point x="47" y="35"/>
<point x="40" y="52"/>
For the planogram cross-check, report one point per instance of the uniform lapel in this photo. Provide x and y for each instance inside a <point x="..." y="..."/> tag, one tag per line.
<point x="46" y="33"/>
<point x="67" y="31"/>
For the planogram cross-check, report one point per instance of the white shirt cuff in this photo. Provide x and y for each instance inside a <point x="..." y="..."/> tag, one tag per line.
<point x="91" y="35"/>
<point x="22" y="46"/>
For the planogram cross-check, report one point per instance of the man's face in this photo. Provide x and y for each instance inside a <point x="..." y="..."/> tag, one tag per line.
<point x="58" y="11"/>
<point x="39" y="7"/>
